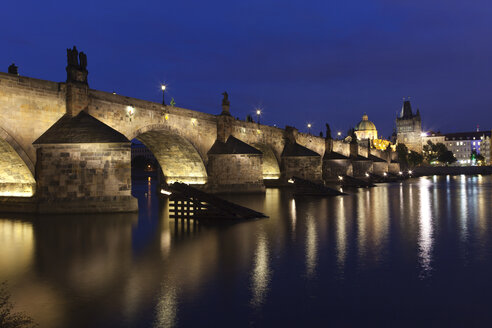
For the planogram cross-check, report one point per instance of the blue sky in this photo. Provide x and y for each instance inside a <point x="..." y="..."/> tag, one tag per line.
<point x="301" y="61"/>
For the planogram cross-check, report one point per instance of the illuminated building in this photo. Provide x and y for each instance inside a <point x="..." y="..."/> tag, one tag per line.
<point x="365" y="129"/>
<point x="409" y="128"/>
<point x="462" y="145"/>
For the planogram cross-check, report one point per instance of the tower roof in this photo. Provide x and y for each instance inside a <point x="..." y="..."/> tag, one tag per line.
<point x="406" y="110"/>
<point x="82" y="128"/>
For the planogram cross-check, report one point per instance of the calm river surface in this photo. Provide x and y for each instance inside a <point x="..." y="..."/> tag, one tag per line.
<point x="401" y="254"/>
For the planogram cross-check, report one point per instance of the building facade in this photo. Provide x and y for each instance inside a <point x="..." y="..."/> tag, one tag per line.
<point x="434" y="137"/>
<point x="463" y="144"/>
<point x="409" y="128"/>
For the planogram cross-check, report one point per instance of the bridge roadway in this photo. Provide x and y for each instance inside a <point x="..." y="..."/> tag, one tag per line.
<point x="78" y="165"/>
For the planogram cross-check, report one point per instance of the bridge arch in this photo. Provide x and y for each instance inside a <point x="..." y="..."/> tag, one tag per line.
<point x="178" y="157"/>
<point x="16" y="168"/>
<point x="271" y="167"/>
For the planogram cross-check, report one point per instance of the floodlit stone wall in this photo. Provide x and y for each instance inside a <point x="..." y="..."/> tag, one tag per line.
<point x="305" y="167"/>
<point x="333" y="168"/>
<point x="199" y="129"/>
<point x="380" y="168"/>
<point x="360" y="168"/>
<point x="178" y="159"/>
<point x="29" y="107"/>
<point x="15" y="177"/>
<point x="85" y="177"/>
<point x="235" y="173"/>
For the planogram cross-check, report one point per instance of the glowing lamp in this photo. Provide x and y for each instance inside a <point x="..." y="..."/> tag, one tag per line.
<point x="165" y="192"/>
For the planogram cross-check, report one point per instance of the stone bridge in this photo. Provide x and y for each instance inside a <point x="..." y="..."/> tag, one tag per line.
<point x="66" y="144"/>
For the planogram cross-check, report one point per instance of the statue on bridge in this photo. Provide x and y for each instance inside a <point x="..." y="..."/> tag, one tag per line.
<point x="83" y="61"/>
<point x="13" y="69"/>
<point x="225" y="104"/>
<point x="72" y="57"/>
<point x="328" y="131"/>
<point x="225" y="101"/>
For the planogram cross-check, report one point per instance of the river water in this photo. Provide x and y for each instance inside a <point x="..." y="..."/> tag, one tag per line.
<point x="416" y="253"/>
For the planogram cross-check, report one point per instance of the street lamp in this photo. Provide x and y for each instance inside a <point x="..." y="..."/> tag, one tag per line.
<point x="258" y="113"/>
<point x="309" y="128"/>
<point x="163" y="88"/>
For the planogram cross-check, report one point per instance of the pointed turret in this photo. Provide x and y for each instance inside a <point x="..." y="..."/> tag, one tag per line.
<point x="406" y="110"/>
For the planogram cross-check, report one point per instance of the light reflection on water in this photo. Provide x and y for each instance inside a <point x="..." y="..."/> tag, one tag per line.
<point x="316" y="257"/>
<point x="425" y="240"/>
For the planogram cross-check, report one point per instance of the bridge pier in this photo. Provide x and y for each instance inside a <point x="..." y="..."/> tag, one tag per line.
<point x="83" y="166"/>
<point x="234" y="166"/>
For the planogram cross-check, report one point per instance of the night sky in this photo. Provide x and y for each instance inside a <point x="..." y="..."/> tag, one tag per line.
<point x="301" y="61"/>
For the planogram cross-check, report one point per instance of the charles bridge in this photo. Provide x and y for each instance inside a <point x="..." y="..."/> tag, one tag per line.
<point x="66" y="147"/>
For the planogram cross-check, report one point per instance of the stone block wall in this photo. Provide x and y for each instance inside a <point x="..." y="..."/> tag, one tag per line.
<point x="305" y="167"/>
<point x="235" y="173"/>
<point x="15" y="177"/>
<point x="360" y="168"/>
<point x="380" y="168"/>
<point x="29" y="107"/>
<point x="394" y="168"/>
<point x="341" y="147"/>
<point x="85" y="177"/>
<point x="333" y="168"/>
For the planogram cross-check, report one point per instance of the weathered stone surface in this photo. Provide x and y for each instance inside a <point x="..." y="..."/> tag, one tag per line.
<point x="333" y="168"/>
<point x="84" y="178"/>
<point x="235" y="173"/>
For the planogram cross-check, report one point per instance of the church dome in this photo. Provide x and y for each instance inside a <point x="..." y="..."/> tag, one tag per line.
<point x="366" y="129"/>
<point x="365" y="124"/>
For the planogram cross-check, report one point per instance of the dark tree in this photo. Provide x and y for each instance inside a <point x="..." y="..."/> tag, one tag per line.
<point x="402" y="151"/>
<point x="447" y="157"/>
<point x="436" y="152"/>
<point x="415" y="159"/>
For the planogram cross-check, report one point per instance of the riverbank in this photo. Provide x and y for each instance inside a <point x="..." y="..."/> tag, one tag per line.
<point x="451" y="170"/>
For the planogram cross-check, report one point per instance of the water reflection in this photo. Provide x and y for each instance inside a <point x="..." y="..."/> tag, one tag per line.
<point x="341" y="237"/>
<point x="311" y="245"/>
<point x="167" y="307"/>
<point x="151" y="271"/>
<point x="260" y="277"/>
<point x="16" y="255"/>
<point x="425" y="240"/>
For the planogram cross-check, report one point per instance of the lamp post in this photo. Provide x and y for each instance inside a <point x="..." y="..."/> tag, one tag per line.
<point x="339" y="134"/>
<point x="163" y="88"/>
<point x="309" y="128"/>
<point x="258" y="113"/>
